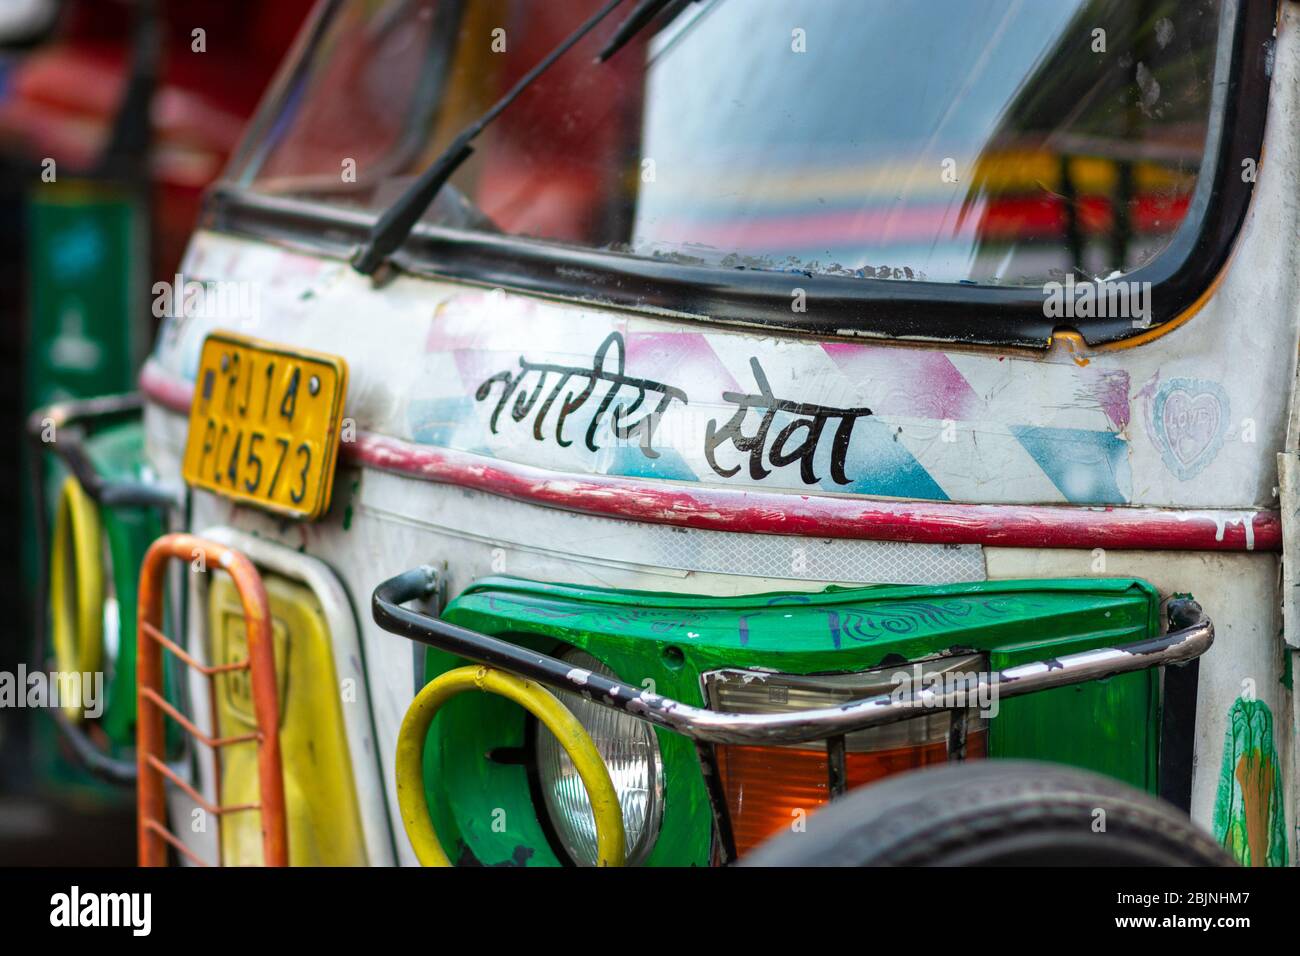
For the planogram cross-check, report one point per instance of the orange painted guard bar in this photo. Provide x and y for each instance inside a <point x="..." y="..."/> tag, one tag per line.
<point x="154" y="837"/>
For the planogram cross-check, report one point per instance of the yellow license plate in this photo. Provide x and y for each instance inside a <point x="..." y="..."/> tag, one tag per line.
<point x="264" y="424"/>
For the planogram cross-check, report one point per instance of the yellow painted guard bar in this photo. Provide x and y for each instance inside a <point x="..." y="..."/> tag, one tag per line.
<point x="611" y="843"/>
<point x="77" y="586"/>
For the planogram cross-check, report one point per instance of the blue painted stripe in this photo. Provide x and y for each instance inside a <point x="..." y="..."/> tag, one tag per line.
<point x="631" y="462"/>
<point x="877" y="463"/>
<point x="436" y="421"/>
<point x="1089" y="467"/>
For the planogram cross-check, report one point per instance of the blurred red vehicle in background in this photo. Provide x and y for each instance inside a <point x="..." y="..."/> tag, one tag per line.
<point x="62" y="98"/>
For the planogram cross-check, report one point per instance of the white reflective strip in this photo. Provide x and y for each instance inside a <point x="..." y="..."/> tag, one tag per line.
<point x="501" y="522"/>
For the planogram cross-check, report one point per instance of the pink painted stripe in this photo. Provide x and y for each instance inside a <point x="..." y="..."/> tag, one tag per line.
<point x="824" y="516"/>
<point x="166" y="390"/>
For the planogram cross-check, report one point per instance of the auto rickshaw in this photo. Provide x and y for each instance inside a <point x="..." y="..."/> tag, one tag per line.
<point x="761" y="431"/>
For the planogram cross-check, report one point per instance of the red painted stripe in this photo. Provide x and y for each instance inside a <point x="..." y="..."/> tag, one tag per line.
<point x="823" y="516"/>
<point x="166" y="390"/>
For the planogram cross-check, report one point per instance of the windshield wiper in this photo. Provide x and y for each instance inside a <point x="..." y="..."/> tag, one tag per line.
<point x="397" y="221"/>
<point x="643" y="13"/>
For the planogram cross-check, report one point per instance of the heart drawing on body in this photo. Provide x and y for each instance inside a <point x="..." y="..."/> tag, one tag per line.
<point x="1190" y="418"/>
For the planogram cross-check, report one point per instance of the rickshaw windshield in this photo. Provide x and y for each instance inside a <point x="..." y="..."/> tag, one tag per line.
<point x="1000" y="142"/>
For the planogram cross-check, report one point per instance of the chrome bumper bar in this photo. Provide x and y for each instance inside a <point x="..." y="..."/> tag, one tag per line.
<point x="1190" y="636"/>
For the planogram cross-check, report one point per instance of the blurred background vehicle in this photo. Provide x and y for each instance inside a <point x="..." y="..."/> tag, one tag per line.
<point x="115" y="115"/>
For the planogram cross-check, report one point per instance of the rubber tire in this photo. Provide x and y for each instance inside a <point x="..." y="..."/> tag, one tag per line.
<point x="994" y="813"/>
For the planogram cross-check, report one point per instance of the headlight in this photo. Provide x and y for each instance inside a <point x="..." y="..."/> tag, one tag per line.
<point x="631" y="753"/>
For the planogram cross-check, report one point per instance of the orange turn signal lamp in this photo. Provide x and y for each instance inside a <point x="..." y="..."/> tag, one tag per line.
<point x="770" y="789"/>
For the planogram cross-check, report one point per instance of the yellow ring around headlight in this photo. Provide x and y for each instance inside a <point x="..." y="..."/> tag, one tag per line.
<point x="611" y="842"/>
<point x="77" y="586"/>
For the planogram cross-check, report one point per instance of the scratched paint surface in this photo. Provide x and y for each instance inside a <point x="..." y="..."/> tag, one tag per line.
<point x="1248" y="810"/>
<point x="724" y="408"/>
<point x="584" y="391"/>
<point x="811" y="632"/>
